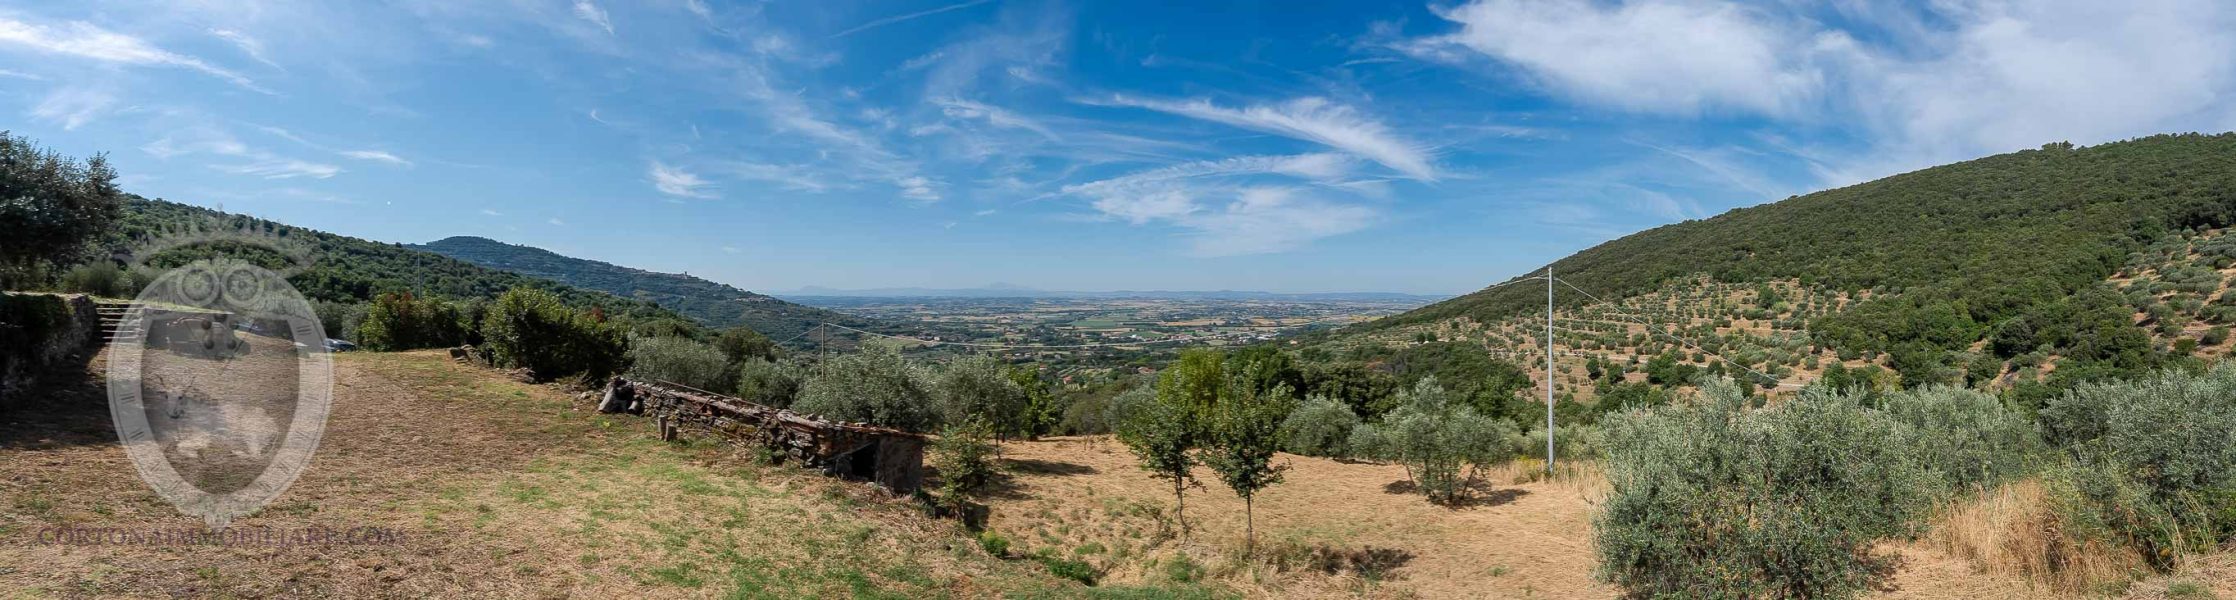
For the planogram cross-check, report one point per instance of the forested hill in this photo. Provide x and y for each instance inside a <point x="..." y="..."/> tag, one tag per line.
<point x="1952" y="251"/>
<point x="349" y="270"/>
<point x="710" y="303"/>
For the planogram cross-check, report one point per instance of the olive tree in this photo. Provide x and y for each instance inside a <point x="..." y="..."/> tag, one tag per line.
<point x="678" y="360"/>
<point x="978" y="388"/>
<point x="1319" y="427"/>
<point x="770" y="383"/>
<point x="50" y="206"/>
<point x="1439" y="438"/>
<point x="1719" y="498"/>
<point x="876" y="386"/>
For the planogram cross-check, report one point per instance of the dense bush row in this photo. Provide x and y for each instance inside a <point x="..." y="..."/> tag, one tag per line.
<point x="1728" y="498"/>
<point x="2152" y="462"/>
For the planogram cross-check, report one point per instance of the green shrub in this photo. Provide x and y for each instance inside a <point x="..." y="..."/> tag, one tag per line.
<point x="1178" y="568"/>
<point x="2153" y="460"/>
<point x="1436" y="436"/>
<point x="1966" y="437"/>
<point x="1319" y="427"/>
<point x="876" y="386"/>
<point x="401" y="321"/>
<point x="1126" y="405"/>
<point x="50" y="206"/>
<point x="965" y="459"/>
<point x="977" y="388"/>
<point x="1719" y="499"/>
<point x="100" y="278"/>
<point x="993" y="543"/>
<point x="679" y="360"/>
<point x="340" y="319"/>
<point x="528" y="328"/>
<point x="1075" y="570"/>
<point x="770" y="383"/>
<point x="1571" y="442"/>
<point x="741" y="343"/>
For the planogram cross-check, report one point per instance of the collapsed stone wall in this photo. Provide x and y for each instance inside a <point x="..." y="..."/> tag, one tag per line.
<point x="889" y="457"/>
<point x="43" y="335"/>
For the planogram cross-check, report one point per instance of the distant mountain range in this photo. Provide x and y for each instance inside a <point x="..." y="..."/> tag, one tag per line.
<point x="708" y="302"/>
<point x="350" y="270"/>
<point x="1005" y="290"/>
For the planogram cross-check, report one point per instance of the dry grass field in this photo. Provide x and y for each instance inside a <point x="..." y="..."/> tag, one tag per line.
<point x="503" y="489"/>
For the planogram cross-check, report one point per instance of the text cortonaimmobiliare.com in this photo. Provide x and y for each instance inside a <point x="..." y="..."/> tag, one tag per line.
<point x="200" y="536"/>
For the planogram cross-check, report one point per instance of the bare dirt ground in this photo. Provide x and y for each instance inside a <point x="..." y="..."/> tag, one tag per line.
<point x="1518" y="541"/>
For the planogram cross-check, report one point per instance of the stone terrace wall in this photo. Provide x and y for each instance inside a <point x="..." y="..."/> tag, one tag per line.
<point x="43" y="335"/>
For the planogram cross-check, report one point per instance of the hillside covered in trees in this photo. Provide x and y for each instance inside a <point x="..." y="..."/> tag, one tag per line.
<point x="2014" y="247"/>
<point x="347" y="270"/>
<point x="711" y="303"/>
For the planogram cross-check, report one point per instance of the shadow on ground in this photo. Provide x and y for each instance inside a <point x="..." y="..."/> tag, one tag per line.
<point x="68" y="407"/>
<point x="1475" y="493"/>
<point x="1006" y="486"/>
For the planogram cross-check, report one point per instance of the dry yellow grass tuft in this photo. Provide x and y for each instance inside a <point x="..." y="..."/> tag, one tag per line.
<point x="2015" y="530"/>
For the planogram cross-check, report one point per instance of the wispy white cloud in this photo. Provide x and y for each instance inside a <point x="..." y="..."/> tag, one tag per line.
<point x="1023" y="43"/>
<point x="1310" y="119"/>
<point x="899" y="18"/>
<point x="1913" y="85"/>
<point x="1675" y="56"/>
<point x="917" y="187"/>
<point x="377" y="156"/>
<point x="1719" y="166"/>
<point x="786" y="110"/>
<point x="700" y="8"/>
<point x="73" y="106"/>
<point x="1272" y="219"/>
<point x="675" y="181"/>
<point x="790" y="176"/>
<point x="491" y="212"/>
<point x="205" y="140"/>
<point x="589" y="11"/>
<point x="248" y="45"/>
<point x="993" y="115"/>
<point x="85" y="40"/>
<point x="281" y="168"/>
<point x="1228" y="207"/>
<point x="556" y="222"/>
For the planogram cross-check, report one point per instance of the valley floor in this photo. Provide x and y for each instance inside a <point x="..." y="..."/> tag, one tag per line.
<point x="503" y="489"/>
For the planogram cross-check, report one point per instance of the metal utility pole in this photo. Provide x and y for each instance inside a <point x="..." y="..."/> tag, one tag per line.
<point x="1548" y="369"/>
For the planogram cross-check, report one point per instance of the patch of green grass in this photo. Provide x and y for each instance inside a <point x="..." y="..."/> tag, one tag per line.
<point x="2184" y="589"/>
<point x="1074" y="570"/>
<point x="1178" y="568"/>
<point x="993" y="543"/>
<point x="679" y="575"/>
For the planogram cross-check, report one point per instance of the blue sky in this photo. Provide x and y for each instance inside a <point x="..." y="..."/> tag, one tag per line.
<point x="1280" y="146"/>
